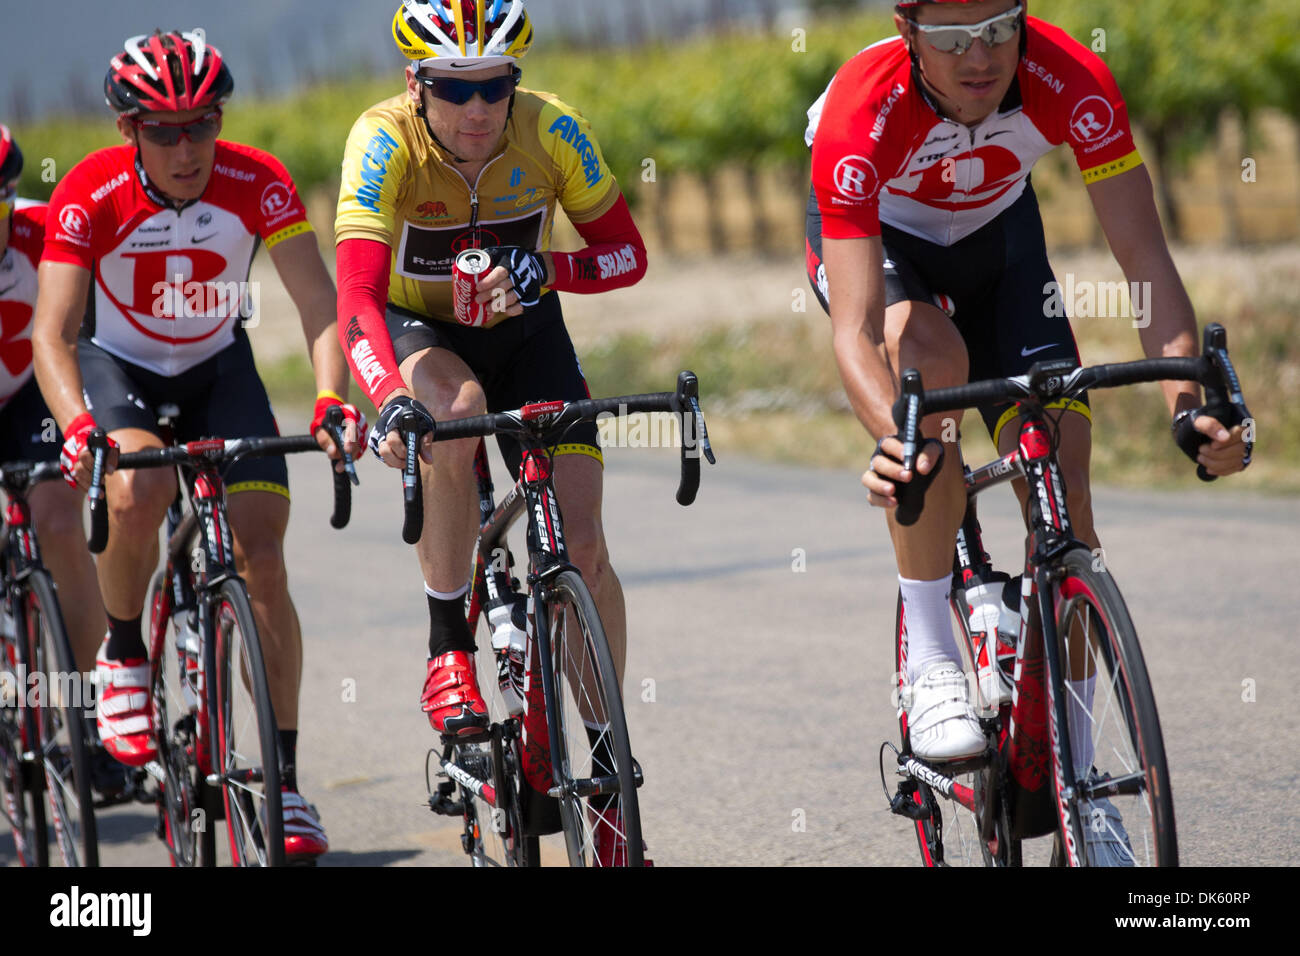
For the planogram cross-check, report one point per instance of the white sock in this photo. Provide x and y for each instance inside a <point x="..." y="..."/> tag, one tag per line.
<point x="928" y="619"/>
<point x="1079" y="713"/>
<point x="447" y="595"/>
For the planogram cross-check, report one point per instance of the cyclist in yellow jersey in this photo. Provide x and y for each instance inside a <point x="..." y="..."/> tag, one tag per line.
<point x="464" y="159"/>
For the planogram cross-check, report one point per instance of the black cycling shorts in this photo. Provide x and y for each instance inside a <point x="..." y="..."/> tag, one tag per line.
<point x="992" y="284"/>
<point x="222" y="397"/>
<point x="27" y="429"/>
<point x="526" y="358"/>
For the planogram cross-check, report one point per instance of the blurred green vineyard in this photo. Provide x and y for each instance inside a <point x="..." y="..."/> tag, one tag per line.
<point x="733" y="101"/>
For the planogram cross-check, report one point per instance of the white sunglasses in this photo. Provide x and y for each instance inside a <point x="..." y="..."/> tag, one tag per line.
<point x="950" y="38"/>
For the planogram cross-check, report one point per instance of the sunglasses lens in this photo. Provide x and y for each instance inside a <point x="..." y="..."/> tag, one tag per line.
<point x="1000" y="32"/>
<point x="950" y="41"/>
<point x="202" y="130"/>
<point x="461" y="91"/>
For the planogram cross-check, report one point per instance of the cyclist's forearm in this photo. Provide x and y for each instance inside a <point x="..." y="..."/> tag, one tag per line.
<point x="363" y="288"/>
<point x="868" y="381"/>
<point x="1171" y="329"/>
<point x="59" y="308"/>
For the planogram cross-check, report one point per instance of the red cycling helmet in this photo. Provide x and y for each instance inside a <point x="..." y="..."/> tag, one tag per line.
<point x="167" y="73"/>
<point x="11" y="158"/>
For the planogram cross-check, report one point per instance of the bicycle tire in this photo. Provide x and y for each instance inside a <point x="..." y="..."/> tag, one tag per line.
<point x="20" y="790"/>
<point x="1096" y="632"/>
<point x="186" y="833"/>
<point x="958" y="841"/>
<point x="64" y="750"/>
<point x="246" y="752"/>
<point x="572" y="675"/>
<point x="496" y="835"/>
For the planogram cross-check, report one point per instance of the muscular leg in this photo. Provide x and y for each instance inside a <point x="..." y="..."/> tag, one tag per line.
<point x="258" y="520"/>
<point x="57" y="516"/>
<point x="921" y="336"/>
<point x="447" y="387"/>
<point x="579" y="489"/>
<point x="137" y="504"/>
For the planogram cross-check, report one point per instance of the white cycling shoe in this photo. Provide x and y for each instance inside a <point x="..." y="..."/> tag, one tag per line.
<point x="1104" y="834"/>
<point x="940" y="720"/>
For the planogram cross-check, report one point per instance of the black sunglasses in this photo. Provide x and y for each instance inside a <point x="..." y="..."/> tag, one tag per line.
<point x="458" y="91"/>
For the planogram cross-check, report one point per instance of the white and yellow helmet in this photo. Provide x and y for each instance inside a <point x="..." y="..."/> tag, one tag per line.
<point x="456" y="35"/>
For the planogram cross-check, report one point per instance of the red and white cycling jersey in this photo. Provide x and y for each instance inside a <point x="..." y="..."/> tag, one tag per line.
<point x="169" y="283"/>
<point x="18" y="295"/>
<point x="881" y="151"/>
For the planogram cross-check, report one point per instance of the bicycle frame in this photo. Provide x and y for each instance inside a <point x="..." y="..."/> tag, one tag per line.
<point x="193" y="577"/>
<point x="1029" y="734"/>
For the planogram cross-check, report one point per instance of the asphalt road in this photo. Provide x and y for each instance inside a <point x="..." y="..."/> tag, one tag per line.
<point x="758" y="674"/>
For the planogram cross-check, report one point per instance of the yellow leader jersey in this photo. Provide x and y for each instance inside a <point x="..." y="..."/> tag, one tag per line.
<point x="400" y="188"/>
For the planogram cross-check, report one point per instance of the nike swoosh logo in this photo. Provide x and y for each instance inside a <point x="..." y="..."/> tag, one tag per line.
<point x="997" y="132"/>
<point x="1025" y="353"/>
<point x="8" y="287"/>
<point x="203" y="238"/>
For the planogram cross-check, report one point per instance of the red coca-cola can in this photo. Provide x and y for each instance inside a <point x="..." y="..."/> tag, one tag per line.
<point x="466" y="270"/>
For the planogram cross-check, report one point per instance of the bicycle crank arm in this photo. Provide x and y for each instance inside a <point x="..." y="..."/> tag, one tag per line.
<point x="484" y="791"/>
<point x="936" y="781"/>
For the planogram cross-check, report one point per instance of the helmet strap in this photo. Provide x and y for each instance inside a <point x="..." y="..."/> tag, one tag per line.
<point x="419" y="111"/>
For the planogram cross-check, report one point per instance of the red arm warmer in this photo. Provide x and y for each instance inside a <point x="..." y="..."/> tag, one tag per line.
<point x="614" y="256"/>
<point x="363" y="290"/>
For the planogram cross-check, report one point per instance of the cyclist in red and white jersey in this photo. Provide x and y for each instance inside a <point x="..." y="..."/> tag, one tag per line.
<point x="463" y="158"/>
<point x="143" y="298"/>
<point x="27" y="430"/>
<point x="926" y="247"/>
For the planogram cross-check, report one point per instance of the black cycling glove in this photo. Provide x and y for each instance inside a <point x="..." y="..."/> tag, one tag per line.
<point x="387" y="421"/>
<point x="527" y="271"/>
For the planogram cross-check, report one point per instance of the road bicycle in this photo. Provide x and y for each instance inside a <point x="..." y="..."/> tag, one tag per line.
<point x="1075" y="749"/>
<point x="45" y="738"/>
<point x="214" y="724"/>
<point x="557" y="755"/>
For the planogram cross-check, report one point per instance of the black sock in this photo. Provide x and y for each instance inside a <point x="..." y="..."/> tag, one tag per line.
<point x="288" y="759"/>
<point x="447" y="628"/>
<point x="124" y="640"/>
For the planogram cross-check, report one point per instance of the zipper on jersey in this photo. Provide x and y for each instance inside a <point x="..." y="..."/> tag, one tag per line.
<point x="473" y="193"/>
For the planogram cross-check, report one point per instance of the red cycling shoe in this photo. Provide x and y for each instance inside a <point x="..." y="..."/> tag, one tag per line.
<point x="451" y="696"/>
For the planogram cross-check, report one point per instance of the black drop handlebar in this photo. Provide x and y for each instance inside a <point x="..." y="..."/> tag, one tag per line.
<point x="538" y="425"/>
<point x="217" y="452"/>
<point x="1059" y="378"/>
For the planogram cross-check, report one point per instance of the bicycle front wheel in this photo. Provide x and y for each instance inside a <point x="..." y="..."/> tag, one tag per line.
<point x="61" y="712"/>
<point x="1123" y="801"/>
<point x="246" y="745"/>
<point x="951" y="834"/>
<point x="20" y="783"/>
<point x="591" y="757"/>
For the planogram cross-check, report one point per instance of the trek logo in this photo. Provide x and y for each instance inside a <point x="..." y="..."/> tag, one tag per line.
<point x="1092" y="119"/>
<point x="570" y="130"/>
<point x="130" y="910"/>
<point x="516" y="177"/>
<point x="374" y="166"/>
<point x="856" y="178"/>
